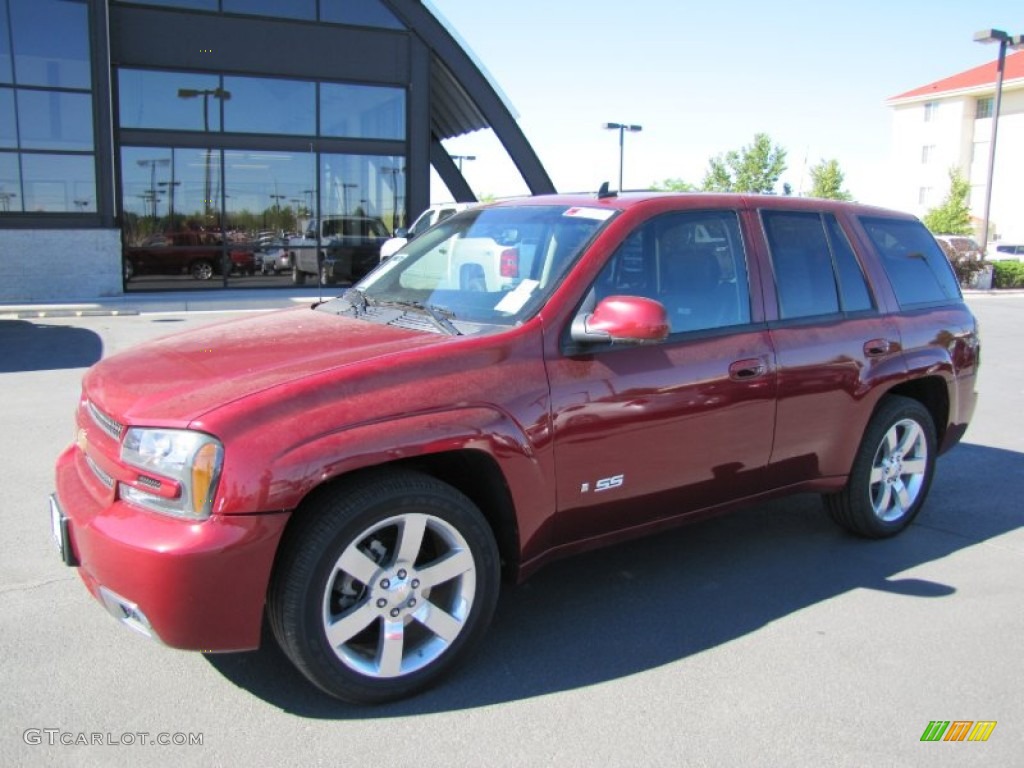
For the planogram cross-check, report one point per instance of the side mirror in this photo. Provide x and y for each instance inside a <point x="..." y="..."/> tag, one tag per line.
<point x="622" y="320"/>
<point x="402" y="232"/>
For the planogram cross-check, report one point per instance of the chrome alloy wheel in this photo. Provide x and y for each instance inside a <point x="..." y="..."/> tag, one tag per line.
<point x="898" y="470"/>
<point x="399" y="595"/>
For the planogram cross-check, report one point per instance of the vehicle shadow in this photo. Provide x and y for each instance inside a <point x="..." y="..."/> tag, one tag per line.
<point x="631" y="608"/>
<point x="26" y="346"/>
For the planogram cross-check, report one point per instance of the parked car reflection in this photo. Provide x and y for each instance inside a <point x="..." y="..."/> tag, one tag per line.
<point x="189" y="252"/>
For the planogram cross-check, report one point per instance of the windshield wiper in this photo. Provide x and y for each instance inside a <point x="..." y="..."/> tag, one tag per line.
<point x="440" y="317"/>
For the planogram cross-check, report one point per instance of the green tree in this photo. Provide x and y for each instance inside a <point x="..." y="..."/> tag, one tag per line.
<point x="828" y="181"/>
<point x="673" y="185"/>
<point x="953" y="216"/>
<point x="755" y="168"/>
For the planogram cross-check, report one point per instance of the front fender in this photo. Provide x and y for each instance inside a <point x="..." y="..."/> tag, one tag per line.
<point x="528" y="472"/>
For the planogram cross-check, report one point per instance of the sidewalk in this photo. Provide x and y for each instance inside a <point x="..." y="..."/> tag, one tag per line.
<point x="245" y="300"/>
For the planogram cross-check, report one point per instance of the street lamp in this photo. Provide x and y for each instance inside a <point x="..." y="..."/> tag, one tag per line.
<point x="460" y="158"/>
<point x="5" y="200"/>
<point x="161" y="161"/>
<point x="395" y="171"/>
<point x="205" y="93"/>
<point x="1004" y="40"/>
<point x="622" y="128"/>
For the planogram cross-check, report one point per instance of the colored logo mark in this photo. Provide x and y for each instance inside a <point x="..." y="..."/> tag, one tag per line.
<point x="958" y="730"/>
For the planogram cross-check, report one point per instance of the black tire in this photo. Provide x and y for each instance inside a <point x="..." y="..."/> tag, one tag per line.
<point x="327" y="276"/>
<point x="366" y="522"/>
<point x="128" y="270"/>
<point x="899" y="448"/>
<point x="298" y="276"/>
<point x="201" y="269"/>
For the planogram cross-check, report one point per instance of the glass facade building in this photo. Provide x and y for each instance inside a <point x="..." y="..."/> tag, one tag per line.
<point x="149" y="136"/>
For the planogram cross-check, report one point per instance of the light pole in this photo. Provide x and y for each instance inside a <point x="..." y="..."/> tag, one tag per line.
<point x="205" y="93"/>
<point x="460" y="158"/>
<point x="622" y="128"/>
<point x="345" y="187"/>
<point x="395" y="171"/>
<point x="5" y="200"/>
<point x="1004" y="40"/>
<point x="161" y="161"/>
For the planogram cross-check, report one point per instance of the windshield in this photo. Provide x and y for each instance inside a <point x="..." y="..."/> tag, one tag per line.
<point x="491" y="266"/>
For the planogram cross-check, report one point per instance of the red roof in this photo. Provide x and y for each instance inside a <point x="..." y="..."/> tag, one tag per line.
<point x="972" y="78"/>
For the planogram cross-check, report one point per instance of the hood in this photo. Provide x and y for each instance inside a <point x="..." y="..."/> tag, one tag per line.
<point x="175" y="380"/>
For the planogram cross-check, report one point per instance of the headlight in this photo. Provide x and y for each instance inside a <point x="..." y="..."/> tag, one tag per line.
<point x="191" y="459"/>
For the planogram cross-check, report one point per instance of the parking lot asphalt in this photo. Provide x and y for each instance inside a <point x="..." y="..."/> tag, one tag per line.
<point x="767" y="637"/>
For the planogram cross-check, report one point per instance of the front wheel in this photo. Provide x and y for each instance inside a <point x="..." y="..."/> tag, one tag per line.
<point x="892" y="471"/>
<point x="298" y="276"/>
<point x="383" y="585"/>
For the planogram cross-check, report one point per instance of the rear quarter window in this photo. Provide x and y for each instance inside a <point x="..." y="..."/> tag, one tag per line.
<point x="917" y="268"/>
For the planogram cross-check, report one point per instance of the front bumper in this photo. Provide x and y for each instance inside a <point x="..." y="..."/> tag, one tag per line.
<point x="191" y="585"/>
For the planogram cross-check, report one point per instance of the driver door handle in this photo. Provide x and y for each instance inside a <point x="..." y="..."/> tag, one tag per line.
<point x="745" y="370"/>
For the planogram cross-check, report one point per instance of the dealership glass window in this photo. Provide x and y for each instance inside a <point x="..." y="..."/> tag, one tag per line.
<point x="363" y="185"/>
<point x="265" y="105"/>
<point x="8" y="127"/>
<point x="370" y="13"/>
<point x="984" y="108"/>
<point x="51" y="43"/>
<point x="165" y="188"/>
<point x="58" y="183"/>
<point x="930" y="110"/>
<point x="55" y="120"/>
<point x="182" y="101"/>
<point x="267" y="191"/>
<point x="10" y="183"/>
<point x="6" y="70"/>
<point x="362" y="111"/>
<point x="292" y="9"/>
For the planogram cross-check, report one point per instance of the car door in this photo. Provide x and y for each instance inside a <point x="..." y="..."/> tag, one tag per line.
<point x="832" y="343"/>
<point x="644" y="433"/>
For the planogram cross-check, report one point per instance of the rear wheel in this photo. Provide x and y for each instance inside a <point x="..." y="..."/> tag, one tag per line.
<point x="201" y="269"/>
<point x="892" y="471"/>
<point x="382" y="586"/>
<point x="298" y="276"/>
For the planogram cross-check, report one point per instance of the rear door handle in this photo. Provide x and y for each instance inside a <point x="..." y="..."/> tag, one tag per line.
<point x="745" y="370"/>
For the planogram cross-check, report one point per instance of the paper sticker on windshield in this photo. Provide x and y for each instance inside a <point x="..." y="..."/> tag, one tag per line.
<point x="597" y="214"/>
<point x="515" y="300"/>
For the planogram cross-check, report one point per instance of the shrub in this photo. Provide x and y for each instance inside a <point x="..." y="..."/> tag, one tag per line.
<point x="1008" y="274"/>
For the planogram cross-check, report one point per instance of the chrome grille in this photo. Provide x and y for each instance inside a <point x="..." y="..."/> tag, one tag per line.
<point x="104" y="422"/>
<point x="104" y="478"/>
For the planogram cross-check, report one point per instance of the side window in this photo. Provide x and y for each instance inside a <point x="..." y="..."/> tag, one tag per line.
<point x="693" y="263"/>
<point x="917" y="268"/>
<point x="804" y="275"/>
<point x="853" y="289"/>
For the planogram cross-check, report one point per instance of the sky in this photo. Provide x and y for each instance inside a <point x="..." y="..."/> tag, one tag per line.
<point x="704" y="78"/>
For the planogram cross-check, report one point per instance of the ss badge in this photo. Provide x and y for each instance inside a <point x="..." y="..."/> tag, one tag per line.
<point x="605" y="484"/>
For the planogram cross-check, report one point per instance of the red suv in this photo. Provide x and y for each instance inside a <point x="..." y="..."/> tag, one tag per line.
<point x="605" y="367"/>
